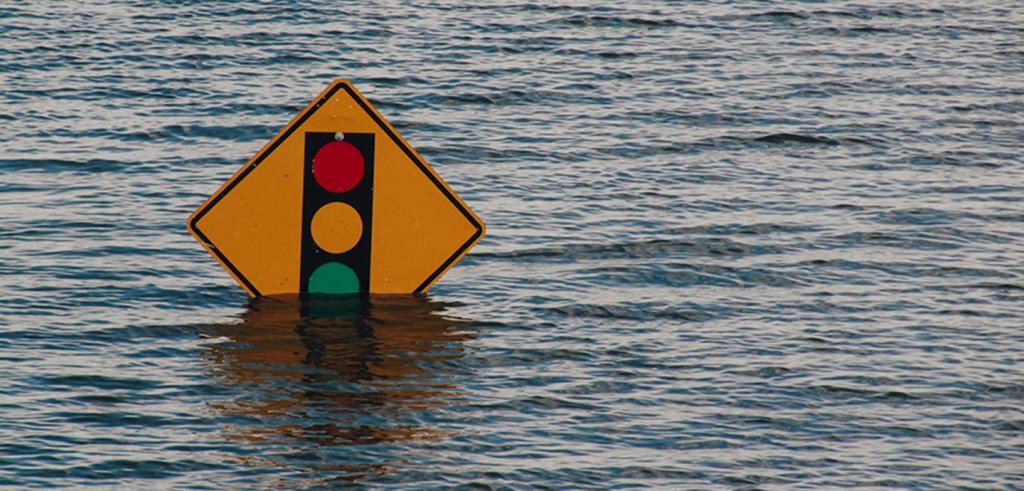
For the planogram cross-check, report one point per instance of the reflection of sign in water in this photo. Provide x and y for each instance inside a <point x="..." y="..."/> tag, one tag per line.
<point x="306" y="376"/>
<point x="337" y="202"/>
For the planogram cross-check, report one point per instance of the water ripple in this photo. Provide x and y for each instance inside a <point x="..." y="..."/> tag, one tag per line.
<point x="730" y="245"/>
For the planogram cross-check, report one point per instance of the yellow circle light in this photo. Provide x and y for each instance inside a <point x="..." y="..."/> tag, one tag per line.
<point x="336" y="227"/>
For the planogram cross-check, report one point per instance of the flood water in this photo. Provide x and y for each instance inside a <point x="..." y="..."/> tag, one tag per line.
<point x="730" y="245"/>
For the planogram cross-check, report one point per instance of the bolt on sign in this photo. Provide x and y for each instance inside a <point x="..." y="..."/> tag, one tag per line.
<point x="336" y="203"/>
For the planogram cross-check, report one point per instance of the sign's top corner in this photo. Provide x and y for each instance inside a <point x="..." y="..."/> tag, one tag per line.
<point x="341" y="81"/>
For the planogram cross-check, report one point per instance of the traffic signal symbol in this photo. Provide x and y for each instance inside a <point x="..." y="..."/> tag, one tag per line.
<point x="337" y="213"/>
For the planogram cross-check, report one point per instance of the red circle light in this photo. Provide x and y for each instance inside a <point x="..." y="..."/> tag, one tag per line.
<point x="338" y="167"/>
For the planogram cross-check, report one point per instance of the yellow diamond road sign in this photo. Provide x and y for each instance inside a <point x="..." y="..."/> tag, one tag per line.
<point x="336" y="203"/>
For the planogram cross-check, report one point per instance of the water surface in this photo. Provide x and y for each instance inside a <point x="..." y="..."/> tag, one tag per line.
<point x="730" y="245"/>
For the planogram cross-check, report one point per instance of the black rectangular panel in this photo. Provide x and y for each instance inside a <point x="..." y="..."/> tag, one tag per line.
<point x="360" y="198"/>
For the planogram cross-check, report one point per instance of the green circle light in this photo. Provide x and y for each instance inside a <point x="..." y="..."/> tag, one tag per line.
<point x="333" y="278"/>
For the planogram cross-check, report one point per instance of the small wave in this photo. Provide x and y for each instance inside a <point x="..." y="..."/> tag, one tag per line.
<point x="778" y="16"/>
<point x="515" y="97"/>
<point x="1015" y="426"/>
<point x="855" y="31"/>
<point x="794" y="138"/>
<point x="584" y="20"/>
<point x="398" y="81"/>
<point x="837" y="392"/>
<point x="99" y="382"/>
<point x="636" y="312"/>
<point x="865" y="12"/>
<point x="1012" y="107"/>
<point x="714" y="246"/>
<point x="55" y="165"/>
<point x="175" y="132"/>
